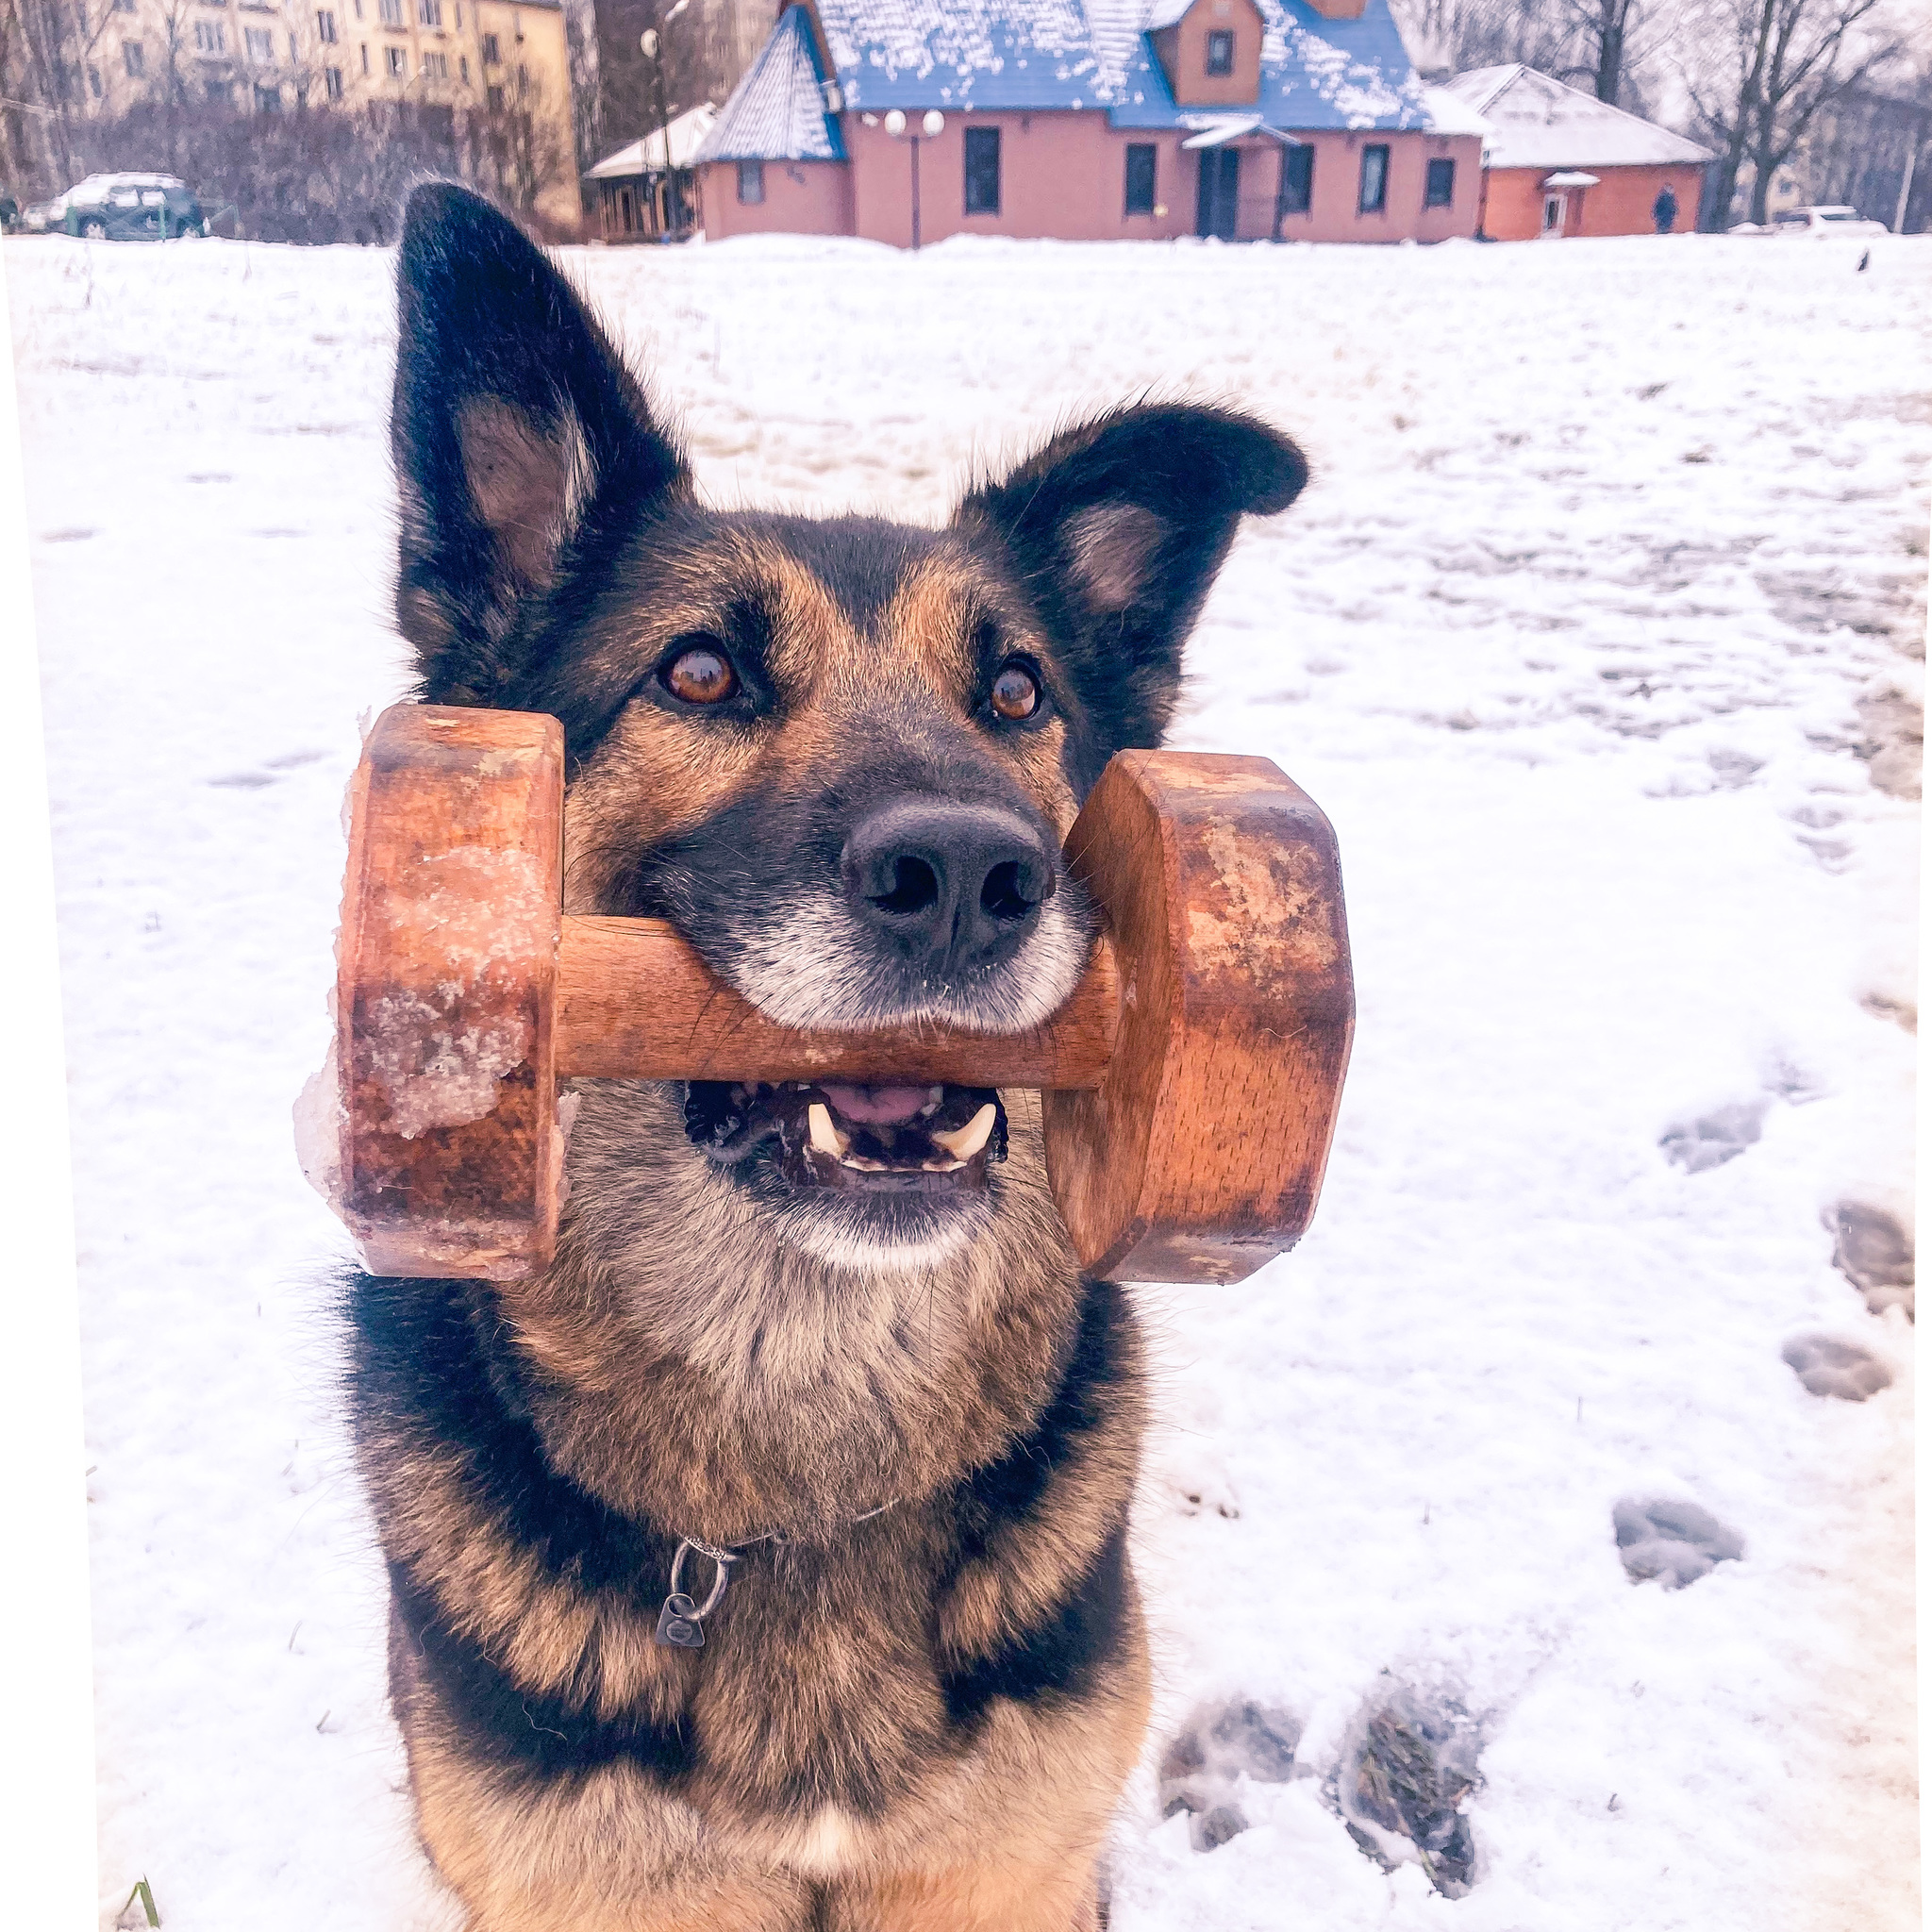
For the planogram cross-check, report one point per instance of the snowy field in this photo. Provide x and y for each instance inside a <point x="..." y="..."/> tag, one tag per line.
<point x="1599" y="636"/>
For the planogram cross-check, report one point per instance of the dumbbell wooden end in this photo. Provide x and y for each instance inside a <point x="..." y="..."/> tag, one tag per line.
<point x="1191" y="1080"/>
<point x="1200" y="1155"/>
<point x="451" y="1158"/>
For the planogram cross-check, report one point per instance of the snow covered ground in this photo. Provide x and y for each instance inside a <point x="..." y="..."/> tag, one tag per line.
<point x="1602" y="618"/>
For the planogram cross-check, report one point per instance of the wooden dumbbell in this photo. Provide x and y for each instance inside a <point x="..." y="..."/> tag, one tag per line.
<point x="1190" y="1083"/>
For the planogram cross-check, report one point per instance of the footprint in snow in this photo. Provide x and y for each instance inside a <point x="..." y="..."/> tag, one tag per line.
<point x="1717" y="1137"/>
<point x="1874" y="1253"/>
<point x="1219" y="1745"/>
<point x="1829" y="1367"/>
<point x="1674" y="1543"/>
<point x="1408" y="1765"/>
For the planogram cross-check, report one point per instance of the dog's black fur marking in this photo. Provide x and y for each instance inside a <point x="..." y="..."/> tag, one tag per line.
<point x="1057" y="1656"/>
<point x="513" y="1728"/>
<point x="1010" y="1491"/>
<point x="427" y="1356"/>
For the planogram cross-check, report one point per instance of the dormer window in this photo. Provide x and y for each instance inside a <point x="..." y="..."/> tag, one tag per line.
<point x="1220" y="51"/>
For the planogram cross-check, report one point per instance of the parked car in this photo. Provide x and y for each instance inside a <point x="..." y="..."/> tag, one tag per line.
<point x="1834" y="220"/>
<point x="121" y="208"/>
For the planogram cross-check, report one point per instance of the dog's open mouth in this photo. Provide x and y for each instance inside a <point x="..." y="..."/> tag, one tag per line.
<point x="832" y="1134"/>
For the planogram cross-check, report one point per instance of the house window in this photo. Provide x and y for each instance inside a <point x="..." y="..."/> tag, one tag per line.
<point x="982" y="170"/>
<point x="398" y="64"/>
<point x="495" y="94"/>
<point x="493" y="54"/>
<point x="1440" y="190"/>
<point x="459" y="20"/>
<point x="219" y="94"/>
<point x="463" y="67"/>
<point x="1221" y="51"/>
<point x="332" y="81"/>
<point x="1141" y="178"/>
<point x="268" y="99"/>
<point x="751" y="182"/>
<point x="523" y="82"/>
<point x="365" y="57"/>
<point x="1375" y="196"/>
<point x="210" y="37"/>
<point x="259" y="43"/>
<point x="1297" y="180"/>
<point x="325" y="28"/>
<point x="135" y="57"/>
<point x="430" y="12"/>
<point x="389" y="12"/>
<point x="436" y="66"/>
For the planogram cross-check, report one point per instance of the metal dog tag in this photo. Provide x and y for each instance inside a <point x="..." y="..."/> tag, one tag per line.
<point x="677" y="1622"/>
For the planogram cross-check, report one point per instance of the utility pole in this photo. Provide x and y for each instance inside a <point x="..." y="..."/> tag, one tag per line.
<point x="652" y="43"/>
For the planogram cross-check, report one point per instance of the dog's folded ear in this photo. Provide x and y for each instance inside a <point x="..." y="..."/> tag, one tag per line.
<point x="517" y="433"/>
<point x="1116" y="528"/>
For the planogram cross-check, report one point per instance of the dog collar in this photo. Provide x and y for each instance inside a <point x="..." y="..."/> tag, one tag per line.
<point x="681" y="1621"/>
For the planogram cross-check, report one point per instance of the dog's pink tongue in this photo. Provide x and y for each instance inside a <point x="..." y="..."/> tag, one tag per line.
<point x="878" y="1105"/>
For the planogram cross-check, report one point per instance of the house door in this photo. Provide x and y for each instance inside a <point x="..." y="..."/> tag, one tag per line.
<point x="1221" y="192"/>
<point x="1555" y="207"/>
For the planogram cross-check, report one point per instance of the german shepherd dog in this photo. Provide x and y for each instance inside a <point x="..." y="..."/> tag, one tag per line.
<point x="833" y="1333"/>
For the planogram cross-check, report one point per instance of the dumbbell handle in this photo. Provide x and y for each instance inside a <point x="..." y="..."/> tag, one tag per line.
<point x="635" y="1002"/>
<point x="1191" y="1082"/>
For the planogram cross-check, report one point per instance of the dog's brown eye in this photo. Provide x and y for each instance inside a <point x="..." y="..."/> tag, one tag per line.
<point x="1015" y="692"/>
<point x="700" y="676"/>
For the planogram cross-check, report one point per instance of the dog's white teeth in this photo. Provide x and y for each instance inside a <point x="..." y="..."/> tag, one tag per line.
<point x="963" y="1143"/>
<point x="934" y="1096"/>
<point x="825" y="1136"/>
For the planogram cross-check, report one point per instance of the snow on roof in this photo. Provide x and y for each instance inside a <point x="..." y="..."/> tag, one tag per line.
<point x="1450" y="113"/>
<point x="1045" y="53"/>
<point x="686" y="132"/>
<point x="778" y="111"/>
<point x="1536" y="122"/>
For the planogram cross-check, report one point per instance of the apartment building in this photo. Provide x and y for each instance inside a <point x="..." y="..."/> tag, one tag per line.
<point x="493" y="73"/>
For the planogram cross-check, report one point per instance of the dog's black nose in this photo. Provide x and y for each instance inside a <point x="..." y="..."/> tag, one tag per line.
<point x="956" y="884"/>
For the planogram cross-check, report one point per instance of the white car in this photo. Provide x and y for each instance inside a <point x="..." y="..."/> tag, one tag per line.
<point x="1836" y="220"/>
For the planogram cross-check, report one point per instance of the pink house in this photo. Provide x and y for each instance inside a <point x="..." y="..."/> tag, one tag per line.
<point x="907" y="121"/>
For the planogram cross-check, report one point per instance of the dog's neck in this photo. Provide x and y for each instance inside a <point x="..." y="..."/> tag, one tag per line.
<point x="724" y="1380"/>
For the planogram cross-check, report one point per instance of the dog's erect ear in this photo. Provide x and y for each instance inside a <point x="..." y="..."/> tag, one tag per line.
<point x="518" y="433"/>
<point x="1117" y="529"/>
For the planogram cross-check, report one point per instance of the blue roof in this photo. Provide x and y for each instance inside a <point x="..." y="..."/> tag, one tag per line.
<point x="777" y="112"/>
<point x="1045" y="53"/>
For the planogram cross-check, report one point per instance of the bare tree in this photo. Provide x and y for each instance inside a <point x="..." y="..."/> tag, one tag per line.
<point x="1783" y="63"/>
<point x="1602" y="29"/>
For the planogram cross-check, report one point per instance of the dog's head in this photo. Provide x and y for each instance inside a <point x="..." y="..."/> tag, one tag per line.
<point x="839" y="755"/>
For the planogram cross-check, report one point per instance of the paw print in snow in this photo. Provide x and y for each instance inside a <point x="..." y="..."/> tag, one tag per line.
<point x="1673" y="1541"/>
<point x="1717" y="1137"/>
<point x="1407" y="1767"/>
<point x="1219" y="1745"/>
<point x="1874" y="1253"/>
<point x="1828" y="1367"/>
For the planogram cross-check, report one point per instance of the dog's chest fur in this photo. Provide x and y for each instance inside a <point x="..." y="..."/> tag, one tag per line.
<point x="536" y="1453"/>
